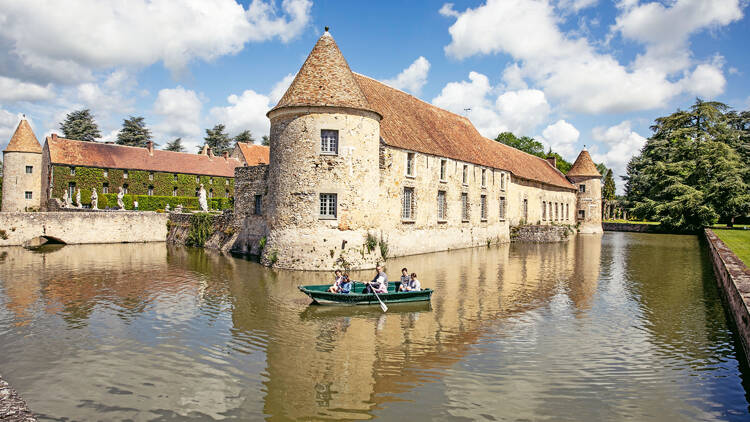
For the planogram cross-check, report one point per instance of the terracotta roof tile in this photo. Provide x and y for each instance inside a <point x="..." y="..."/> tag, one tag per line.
<point x="96" y="154"/>
<point x="254" y="154"/>
<point x="23" y="140"/>
<point x="324" y="80"/>
<point x="412" y="124"/>
<point x="584" y="166"/>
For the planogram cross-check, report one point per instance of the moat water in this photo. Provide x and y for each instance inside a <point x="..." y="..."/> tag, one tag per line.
<point x="622" y="326"/>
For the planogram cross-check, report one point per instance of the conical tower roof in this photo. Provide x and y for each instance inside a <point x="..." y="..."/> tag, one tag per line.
<point x="23" y="140"/>
<point x="324" y="80"/>
<point x="584" y="166"/>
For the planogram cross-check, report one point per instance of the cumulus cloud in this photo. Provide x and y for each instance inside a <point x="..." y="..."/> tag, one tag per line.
<point x="14" y="90"/>
<point x="413" y="78"/>
<point x="618" y="144"/>
<point x="180" y="111"/>
<point x="575" y="5"/>
<point x="8" y="123"/>
<point x="561" y="136"/>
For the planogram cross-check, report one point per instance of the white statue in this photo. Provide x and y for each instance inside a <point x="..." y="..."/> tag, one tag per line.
<point x="120" y="195"/>
<point x="94" y="200"/>
<point x="202" y="201"/>
<point x="167" y="208"/>
<point x="65" y="199"/>
<point x="78" y="198"/>
<point x="178" y="208"/>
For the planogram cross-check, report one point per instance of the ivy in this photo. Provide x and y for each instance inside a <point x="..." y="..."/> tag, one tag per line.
<point x="154" y="203"/>
<point x="201" y="227"/>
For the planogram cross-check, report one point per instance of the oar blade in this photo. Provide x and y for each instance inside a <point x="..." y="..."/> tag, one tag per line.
<point x="383" y="307"/>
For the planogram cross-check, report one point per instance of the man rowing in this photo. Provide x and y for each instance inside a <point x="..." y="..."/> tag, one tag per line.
<point x="379" y="284"/>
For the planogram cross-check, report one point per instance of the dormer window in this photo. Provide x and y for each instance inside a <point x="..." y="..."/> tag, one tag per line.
<point x="329" y="142"/>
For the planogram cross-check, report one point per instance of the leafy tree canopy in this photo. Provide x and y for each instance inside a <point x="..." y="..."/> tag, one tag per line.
<point x="80" y="125"/>
<point x="608" y="190"/>
<point x="217" y="139"/>
<point x="265" y="140"/>
<point x="175" y="145"/>
<point x="134" y="132"/>
<point x="533" y="147"/>
<point x="245" y="136"/>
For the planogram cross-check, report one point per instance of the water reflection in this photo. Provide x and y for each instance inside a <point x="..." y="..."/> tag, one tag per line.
<point x="624" y="326"/>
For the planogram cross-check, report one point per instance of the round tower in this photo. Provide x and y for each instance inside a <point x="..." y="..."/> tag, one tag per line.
<point x="22" y="171"/>
<point x="584" y="175"/>
<point x="323" y="175"/>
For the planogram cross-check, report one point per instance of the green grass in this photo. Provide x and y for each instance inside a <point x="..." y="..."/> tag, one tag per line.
<point x="738" y="241"/>
<point x="632" y="222"/>
<point x="724" y="226"/>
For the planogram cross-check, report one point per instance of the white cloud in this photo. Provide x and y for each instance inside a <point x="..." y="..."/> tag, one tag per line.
<point x="180" y="111"/>
<point x="413" y="78"/>
<point x="523" y="110"/>
<point x="575" y="5"/>
<point x="706" y="81"/>
<point x="15" y="90"/>
<point x="280" y="88"/>
<point x="621" y="143"/>
<point x="561" y="136"/>
<point x="266" y="23"/>
<point x="447" y="10"/>
<point x="8" y="123"/>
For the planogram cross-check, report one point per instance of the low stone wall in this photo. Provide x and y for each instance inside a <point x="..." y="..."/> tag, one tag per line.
<point x="541" y="234"/>
<point x="83" y="227"/>
<point x="224" y="230"/>
<point x="733" y="277"/>
<point x="12" y="407"/>
<point x="628" y="227"/>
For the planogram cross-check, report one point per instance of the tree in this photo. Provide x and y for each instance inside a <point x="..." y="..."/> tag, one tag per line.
<point x="245" y="136"/>
<point x="217" y="139"/>
<point x="134" y="132"/>
<point x="80" y="125"/>
<point x="175" y="146"/>
<point x="608" y="190"/>
<point x="265" y="141"/>
<point x="524" y="143"/>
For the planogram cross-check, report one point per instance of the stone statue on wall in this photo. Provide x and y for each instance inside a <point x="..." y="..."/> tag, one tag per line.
<point x="65" y="199"/>
<point x="78" y="199"/>
<point x="202" y="201"/>
<point x="120" y="195"/>
<point x="167" y="208"/>
<point x="178" y="208"/>
<point x="94" y="200"/>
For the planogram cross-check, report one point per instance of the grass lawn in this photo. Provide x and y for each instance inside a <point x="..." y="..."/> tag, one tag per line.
<point x="632" y="222"/>
<point x="738" y="241"/>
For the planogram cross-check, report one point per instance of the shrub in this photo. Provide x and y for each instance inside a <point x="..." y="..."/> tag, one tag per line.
<point x="153" y="203"/>
<point x="201" y="227"/>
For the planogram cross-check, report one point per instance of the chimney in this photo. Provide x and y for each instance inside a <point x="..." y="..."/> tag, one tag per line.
<point x="204" y="150"/>
<point x="209" y="152"/>
<point x="225" y="154"/>
<point x="54" y="136"/>
<point x="150" y="147"/>
<point x="552" y="160"/>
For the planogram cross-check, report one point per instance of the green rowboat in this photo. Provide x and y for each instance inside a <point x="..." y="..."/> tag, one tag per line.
<point x="320" y="294"/>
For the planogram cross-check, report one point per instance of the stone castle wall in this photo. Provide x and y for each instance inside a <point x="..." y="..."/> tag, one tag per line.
<point x="16" y="182"/>
<point x="590" y="203"/>
<point x="538" y="196"/>
<point x="251" y="227"/>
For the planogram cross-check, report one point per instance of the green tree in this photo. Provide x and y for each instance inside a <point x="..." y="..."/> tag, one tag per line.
<point x="80" y="125"/>
<point x="134" y="132"/>
<point x="175" y="145"/>
<point x="217" y="139"/>
<point x="524" y="143"/>
<point x="245" y="136"/>
<point x="265" y="140"/>
<point x="608" y="190"/>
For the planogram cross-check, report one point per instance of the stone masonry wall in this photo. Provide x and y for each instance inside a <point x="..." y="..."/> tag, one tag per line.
<point x="541" y="234"/>
<point x="590" y="203"/>
<point x="251" y="227"/>
<point x="83" y="227"/>
<point x="16" y="182"/>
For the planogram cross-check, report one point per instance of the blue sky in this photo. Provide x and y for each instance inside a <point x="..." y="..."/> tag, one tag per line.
<point x="567" y="72"/>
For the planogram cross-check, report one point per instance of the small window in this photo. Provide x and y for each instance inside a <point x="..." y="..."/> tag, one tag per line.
<point x="483" y="207"/>
<point x="407" y="204"/>
<point x="29" y="169"/>
<point x="328" y="205"/>
<point x="71" y="190"/>
<point x="125" y="174"/>
<point x="150" y="191"/>
<point x="105" y="173"/>
<point x="557" y="213"/>
<point x="72" y="171"/>
<point x="329" y="142"/>
<point x="484" y="178"/>
<point x="567" y="213"/>
<point x="465" y="207"/>
<point x="174" y="191"/>
<point x="151" y="176"/>
<point x="410" y="164"/>
<point x="502" y="208"/>
<point x="442" y="204"/>
<point x="210" y="180"/>
<point x="525" y="210"/>
<point x="125" y="188"/>
<point x="544" y="211"/>
<point x="28" y="195"/>
<point x="443" y="165"/>
<point x="226" y="193"/>
<point x="226" y="182"/>
<point x="210" y="193"/>
<point x="582" y="188"/>
<point x="175" y="177"/>
<point x="258" y="210"/>
<point x="197" y="179"/>
<point x="502" y="181"/>
<point x="465" y="175"/>
<point x="581" y="214"/>
<point x="105" y="187"/>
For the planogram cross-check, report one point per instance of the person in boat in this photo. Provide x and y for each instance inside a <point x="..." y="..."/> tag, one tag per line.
<point x="346" y="285"/>
<point x="379" y="284"/>
<point x="336" y="282"/>
<point x="404" y="280"/>
<point x="413" y="285"/>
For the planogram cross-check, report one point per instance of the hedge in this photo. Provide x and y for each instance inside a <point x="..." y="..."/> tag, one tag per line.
<point x="153" y="203"/>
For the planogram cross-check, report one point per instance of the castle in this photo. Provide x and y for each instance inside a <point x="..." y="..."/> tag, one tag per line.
<point x="360" y="171"/>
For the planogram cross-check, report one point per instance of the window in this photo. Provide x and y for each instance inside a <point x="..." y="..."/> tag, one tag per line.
<point x="443" y="165"/>
<point x="483" y="207"/>
<point x="502" y="181"/>
<point x="226" y="182"/>
<point x="525" y="210"/>
<point x="151" y="176"/>
<point x="329" y="141"/>
<point x="174" y="191"/>
<point x="557" y="215"/>
<point x="544" y="211"/>
<point x="464" y="207"/>
<point x="407" y="204"/>
<point x="210" y="193"/>
<point x="197" y="179"/>
<point x="502" y="208"/>
<point x="410" y="164"/>
<point x="258" y="209"/>
<point x="105" y="187"/>
<point x="328" y="205"/>
<point x="150" y="191"/>
<point x="567" y="209"/>
<point x="210" y="180"/>
<point x="28" y="195"/>
<point x="105" y="172"/>
<point x="484" y="178"/>
<point x="442" y="204"/>
<point x="125" y="174"/>
<point x="29" y="169"/>
<point x="465" y="176"/>
<point x="582" y="188"/>
<point x="581" y="214"/>
<point x="72" y="171"/>
<point x="226" y="193"/>
<point x="71" y="190"/>
<point x="125" y="188"/>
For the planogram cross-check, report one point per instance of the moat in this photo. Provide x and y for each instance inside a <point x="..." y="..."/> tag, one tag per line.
<point x="613" y="327"/>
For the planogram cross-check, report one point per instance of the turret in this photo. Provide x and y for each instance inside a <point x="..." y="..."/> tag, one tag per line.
<point x="585" y="176"/>
<point x="22" y="170"/>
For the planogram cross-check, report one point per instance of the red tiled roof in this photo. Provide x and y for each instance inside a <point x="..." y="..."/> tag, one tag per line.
<point x="412" y="124"/>
<point x="324" y="80"/>
<point x="254" y="154"/>
<point x="96" y="154"/>
<point x="23" y="139"/>
<point x="584" y="166"/>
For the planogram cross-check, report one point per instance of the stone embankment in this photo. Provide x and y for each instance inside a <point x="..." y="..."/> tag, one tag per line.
<point x="220" y="231"/>
<point x="541" y="234"/>
<point x="733" y="277"/>
<point x="12" y="407"/>
<point x="630" y="227"/>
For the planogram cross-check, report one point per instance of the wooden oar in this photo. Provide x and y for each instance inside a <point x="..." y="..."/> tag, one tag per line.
<point x="382" y="305"/>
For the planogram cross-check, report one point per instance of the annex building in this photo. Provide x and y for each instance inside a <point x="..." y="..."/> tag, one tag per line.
<point x="360" y="171"/>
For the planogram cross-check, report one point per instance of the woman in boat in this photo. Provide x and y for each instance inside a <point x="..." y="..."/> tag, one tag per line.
<point x="379" y="284"/>
<point x="413" y="285"/>
<point x="404" y="280"/>
<point x="336" y="282"/>
<point x="346" y="285"/>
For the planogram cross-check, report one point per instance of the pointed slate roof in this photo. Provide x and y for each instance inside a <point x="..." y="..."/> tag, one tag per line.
<point x="324" y="80"/>
<point x="584" y="166"/>
<point x="23" y="140"/>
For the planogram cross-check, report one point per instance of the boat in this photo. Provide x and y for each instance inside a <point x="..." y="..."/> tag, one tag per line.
<point x="320" y="294"/>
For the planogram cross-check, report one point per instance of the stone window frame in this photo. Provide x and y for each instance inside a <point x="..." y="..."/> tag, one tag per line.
<point x="329" y="197"/>
<point x="226" y="182"/>
<point x="29" y="169"/>
<point x="465" y="207"/>
<point x="484" y="178"/>
<point x="582" y="188"/>
<point x="443" y="170"/>
<point x="329" y="145"/>
<point x="483" y="208"/>
<point x="408" y="206"/>
<point x="258" y="204"/>
<point x="105" y="172"/>
<point x="581" y="214"/>
<point x="465" y="175"/>
<point x="503" y="206"/>
<point x="28" y="194"/>
<point x="442" y="206"/>
<point x="411" y="165"/>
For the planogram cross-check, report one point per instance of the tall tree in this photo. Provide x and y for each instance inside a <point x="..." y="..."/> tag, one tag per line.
<point x="265" y="140"/>
<point x="217" y="139"/>
<point x="245" y="136"/>
<point x="80" y="125"/>
<point x="524" y="143"/>
<point x="608" y="190"/>
<point x="134" y="132"/>
<point x="175" y="146"/>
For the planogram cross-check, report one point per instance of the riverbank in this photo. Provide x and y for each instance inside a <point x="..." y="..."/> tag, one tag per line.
<point x="733" y="277"/>
<point x="12" y="407"/>
<point x="738" y="241"/>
